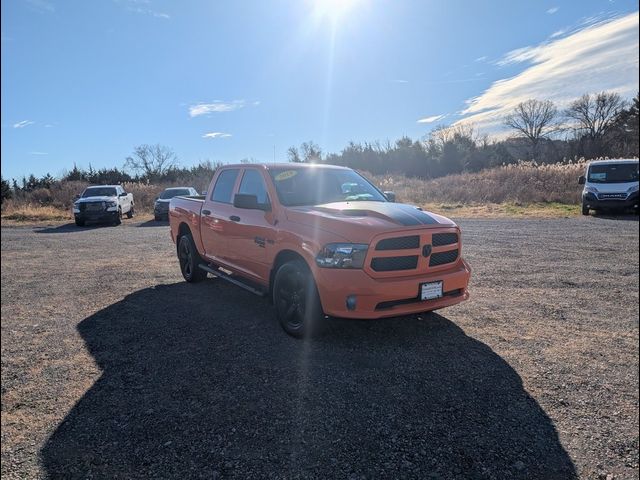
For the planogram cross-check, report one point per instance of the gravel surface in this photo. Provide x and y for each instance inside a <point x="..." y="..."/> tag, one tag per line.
<point x="113" y="367"/>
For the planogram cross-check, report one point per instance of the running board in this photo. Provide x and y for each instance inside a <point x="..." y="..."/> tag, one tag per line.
<point x="228" y="278"/>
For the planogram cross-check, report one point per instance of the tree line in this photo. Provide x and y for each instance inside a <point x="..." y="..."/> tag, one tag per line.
<point x="592" y="126"/>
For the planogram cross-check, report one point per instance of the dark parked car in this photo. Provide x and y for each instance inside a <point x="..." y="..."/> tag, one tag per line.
<point x="161" y="207"/>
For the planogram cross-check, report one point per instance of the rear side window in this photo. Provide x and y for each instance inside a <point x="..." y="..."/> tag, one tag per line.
<point x="253" y="184"/>
<point x="224" y="186"/>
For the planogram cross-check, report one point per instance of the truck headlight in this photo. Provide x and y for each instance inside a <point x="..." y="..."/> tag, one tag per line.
<point x="342" y="255"/>
<point x="632" y="189"/>
<point x="76" y="208"/>
<point x="590" y="189"/>
<point x="111" y="204"/>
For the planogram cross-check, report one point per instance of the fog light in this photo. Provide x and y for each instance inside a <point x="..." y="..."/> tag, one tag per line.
<point x="351" y="302"/>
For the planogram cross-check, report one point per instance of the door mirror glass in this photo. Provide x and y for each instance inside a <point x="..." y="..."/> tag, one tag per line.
<point x="248" y="202"/>
<point x="391" y="196"/>
<point x="582" y="180"/>
<point x="123" y="194"/>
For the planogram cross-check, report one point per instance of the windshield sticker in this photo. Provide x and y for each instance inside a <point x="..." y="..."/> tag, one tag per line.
<point x="285" y="175"/>
<point x="599" y="176"/>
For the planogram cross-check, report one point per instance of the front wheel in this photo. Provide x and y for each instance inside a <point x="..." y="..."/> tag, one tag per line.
<point x="296" y="299"/>
<point x="189" y="260"/>
<point x="585" y="209"/>
<point x="118" y="219"/>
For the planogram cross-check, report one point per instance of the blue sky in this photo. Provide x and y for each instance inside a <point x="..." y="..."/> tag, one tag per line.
<point x="86" y="81"/>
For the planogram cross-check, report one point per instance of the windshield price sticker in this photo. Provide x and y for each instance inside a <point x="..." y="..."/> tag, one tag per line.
<point x="285" y="175"/>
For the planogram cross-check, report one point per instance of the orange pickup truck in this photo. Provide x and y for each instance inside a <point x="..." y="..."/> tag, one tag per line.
<point x="318" y="240"/>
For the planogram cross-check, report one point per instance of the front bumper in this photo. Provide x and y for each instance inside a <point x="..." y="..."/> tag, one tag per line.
<point x="161" y="211"/>
<point x="388" y="297"/>
<point x="96" y="216"/>
<point x="593" y="202"/>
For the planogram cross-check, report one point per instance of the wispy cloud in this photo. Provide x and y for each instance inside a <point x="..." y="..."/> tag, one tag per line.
<point x="553" y="10"/>
<point x="23" y="123"/>
<point x="481" y="59"/>
<point x="142" y="7"/>
<point x="431" y="119"/>
<point x="599" y="56"/>
<point x="38" y="153"/>
<point x="40" y="6"/>
<point x="217" y="106"/>
<point x="399" y="80"/>
<point x="216" y="135"/>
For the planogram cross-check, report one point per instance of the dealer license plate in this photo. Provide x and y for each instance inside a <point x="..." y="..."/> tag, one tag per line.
<point x="431" y="290"/>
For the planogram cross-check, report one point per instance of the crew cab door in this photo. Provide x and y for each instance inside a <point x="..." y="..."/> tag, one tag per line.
<point x="252" y="233"/>
<point x="124" y="200"/>
<point x="216" y="214"/>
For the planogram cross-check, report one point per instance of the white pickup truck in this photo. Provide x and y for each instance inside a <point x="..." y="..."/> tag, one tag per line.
<point x="103" y="203"/>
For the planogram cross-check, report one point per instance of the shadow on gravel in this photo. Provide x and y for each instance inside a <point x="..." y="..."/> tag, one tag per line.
<point x="72" y="227"/>
<point x="617" y="216"/>
<point x="153" y="223"/>
<point x="199" y="381"/>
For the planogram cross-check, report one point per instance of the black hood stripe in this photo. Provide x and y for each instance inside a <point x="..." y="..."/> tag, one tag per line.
<point x="405" y="215"/>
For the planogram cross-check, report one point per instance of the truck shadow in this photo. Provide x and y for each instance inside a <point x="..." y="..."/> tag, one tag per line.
<point x="199" y="382"/>
<point x="72" y="227"/>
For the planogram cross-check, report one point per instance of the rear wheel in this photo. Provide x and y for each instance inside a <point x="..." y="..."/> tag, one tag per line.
<point x="157" y="218"/>
<point x="296" y="299"/>
<point x="130" y="213"/>
<point x="585" y="209"/>
<point x="189" y="260"/>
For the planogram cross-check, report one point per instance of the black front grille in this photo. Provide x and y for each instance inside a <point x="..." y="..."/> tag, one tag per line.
<point x="612" y="196"/>
<point x="399" y="243"/>
<point x="389" y="264"/>
<point x="440" y="239"/>
<point x="443" y="257"/>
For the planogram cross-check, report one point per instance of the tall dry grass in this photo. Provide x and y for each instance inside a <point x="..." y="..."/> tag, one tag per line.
<point x="524" y="183"/>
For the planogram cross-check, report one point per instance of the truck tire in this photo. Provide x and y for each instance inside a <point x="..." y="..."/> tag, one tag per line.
<point x="79" y="223"/>
<point x="189" y="259"/>
<point x="130" y="213"/>
<point x="296" y="300"/>
<point x="585" y="209"/>
<point x="118" y="219"/>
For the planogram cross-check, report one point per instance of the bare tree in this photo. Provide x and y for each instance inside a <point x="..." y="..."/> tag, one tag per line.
<point x="534" y="120"/>
<point x="151" y="161"/>
<point x="294" y="155"/>
<point x="311" y="152"/>
<point x="595" y="113"/>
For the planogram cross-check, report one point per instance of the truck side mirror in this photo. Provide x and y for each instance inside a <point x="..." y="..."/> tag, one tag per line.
<point x="248" y="202"/>
<point x="582" y="180"/>
<point x="76" y="197"/>
<point x="391" y="196"/>
<point x="123" y="194"/>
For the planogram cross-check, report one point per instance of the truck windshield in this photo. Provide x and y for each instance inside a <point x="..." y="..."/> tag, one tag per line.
<point x="174" y="192"/>
<point x="99" y="192"/>
<point x="315" y="186"/>
<point x="613" y="173"/>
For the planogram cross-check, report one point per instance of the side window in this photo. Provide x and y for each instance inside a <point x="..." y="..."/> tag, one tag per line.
<point x="253" y="184"/>
<point x="223" y="188"/>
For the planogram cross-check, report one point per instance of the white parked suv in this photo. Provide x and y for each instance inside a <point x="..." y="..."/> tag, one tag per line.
<point x="610" y="185"/>
<point x="103" y="203"/>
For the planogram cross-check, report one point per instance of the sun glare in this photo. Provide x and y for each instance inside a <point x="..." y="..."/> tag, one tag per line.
<point x="333" y="9"/>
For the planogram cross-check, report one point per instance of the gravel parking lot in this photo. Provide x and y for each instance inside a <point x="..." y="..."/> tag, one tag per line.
<point x="113" y="367"/>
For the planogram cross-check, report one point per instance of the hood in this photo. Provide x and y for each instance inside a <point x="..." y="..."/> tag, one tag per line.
<point x="612" y="187"/>
<point x="361" y="221"/>
<point x="97" y="199"/>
